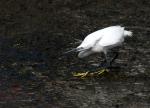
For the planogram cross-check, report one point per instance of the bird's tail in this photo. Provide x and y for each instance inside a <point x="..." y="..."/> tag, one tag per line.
<point x="128" y="33"/>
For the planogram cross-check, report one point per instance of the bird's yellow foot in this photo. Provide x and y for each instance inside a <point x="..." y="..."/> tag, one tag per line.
<point x="83" y="75"/>
<point x="101" y="72"/>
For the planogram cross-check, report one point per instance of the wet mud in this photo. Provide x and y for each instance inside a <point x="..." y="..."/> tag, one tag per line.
<point x="34" y="73"/>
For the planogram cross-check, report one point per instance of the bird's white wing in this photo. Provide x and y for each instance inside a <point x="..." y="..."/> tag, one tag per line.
<point x="112" y="36"/>
<point x="105" y="37"/>
<point x="91" y="40"/>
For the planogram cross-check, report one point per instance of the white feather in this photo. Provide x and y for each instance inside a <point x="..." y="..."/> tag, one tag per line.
<point x="103" y="40"/>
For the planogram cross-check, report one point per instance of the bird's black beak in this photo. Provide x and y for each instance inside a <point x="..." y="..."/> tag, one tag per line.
<point x="74" y="50"/>
<point x="70" y="51"/>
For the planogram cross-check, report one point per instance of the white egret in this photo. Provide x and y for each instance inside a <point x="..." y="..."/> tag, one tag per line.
<point x="102" y="41"/>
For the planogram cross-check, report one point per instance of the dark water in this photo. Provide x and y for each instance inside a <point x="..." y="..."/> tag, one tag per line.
<point x="33" y="35"/>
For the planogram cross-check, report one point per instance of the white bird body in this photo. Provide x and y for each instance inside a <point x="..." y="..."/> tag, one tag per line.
<point x="102" y="40"/>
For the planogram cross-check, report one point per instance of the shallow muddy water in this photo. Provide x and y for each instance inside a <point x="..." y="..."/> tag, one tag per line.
<point x="33" y="72"/>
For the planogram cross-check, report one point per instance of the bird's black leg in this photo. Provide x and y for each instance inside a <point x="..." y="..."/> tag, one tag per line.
<point x="114" y="57"/>
<point x="109" y="60"/>
<point x="106" y="62"/>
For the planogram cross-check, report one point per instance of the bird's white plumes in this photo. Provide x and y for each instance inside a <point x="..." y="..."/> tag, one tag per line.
<point x="128" y="33"/>
<point x="103" y="40"/>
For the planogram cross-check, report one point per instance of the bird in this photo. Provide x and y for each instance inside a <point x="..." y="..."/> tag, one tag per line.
<point x="102" y="41"/>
